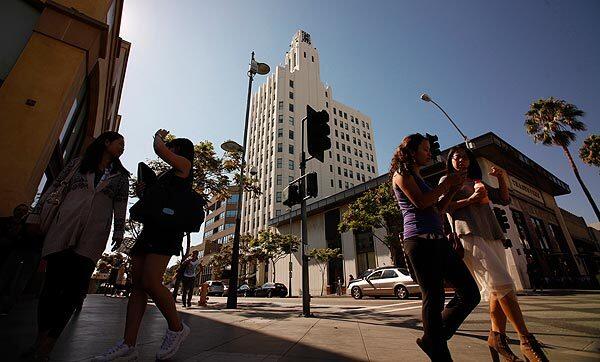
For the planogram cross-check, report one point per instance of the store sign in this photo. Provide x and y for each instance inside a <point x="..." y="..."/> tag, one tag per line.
<point x="525" y="189"/>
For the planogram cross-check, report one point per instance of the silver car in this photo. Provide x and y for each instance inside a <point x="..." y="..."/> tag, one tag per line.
<point x="215" y="287"/>
<point x="388" y="282"/>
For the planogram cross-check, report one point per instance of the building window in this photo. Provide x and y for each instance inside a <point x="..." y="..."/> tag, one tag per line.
<point x="331" y="182"/>
<point x="326" y="104"/>
<point x="519" y="220"/>
<point x="291" y="149"/>
<point x="313" y="58"/>
<point x="338" y="156"/>
<point x="280" y="118"/>
<point x="291" y="95"/>
<point x="305" y="54"/>
<point x="335" y="121"/>
<point x="337" y="145"/>
<point x="340" y="183"/>
<point x="540" y="231"/>
<point x="330" y="168"/>
<point x="291" y="107"/>
<point x="339" y="170"/>
<point x="334" y="111"/>
<point x="336" y="133"/>
<point x="290" y="179"/>
<point x="280" y="105"/>
<point x="279" y="162"/>
<point x="233" y="199"/>
<point x="291" y="120"/>
<point x="277" y="213"/>
<point x="280" y="147"/>
<point x="280" y="132"/>
<point x="279" y="180"/>
<point x="278" y="196"/>
<point x="291" y="134"/>
<point x="291" y="164"/>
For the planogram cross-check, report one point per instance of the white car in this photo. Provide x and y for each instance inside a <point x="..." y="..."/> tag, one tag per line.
<point x="215" y="287"/>
<point x="385" y="282"/>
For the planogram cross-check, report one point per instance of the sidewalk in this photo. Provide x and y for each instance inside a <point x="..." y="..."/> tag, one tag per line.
<point x="261" y="331"/>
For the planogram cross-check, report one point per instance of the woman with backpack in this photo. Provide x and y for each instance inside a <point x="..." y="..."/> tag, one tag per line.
<point x="150" y="256"/>
<point x="85" y="196"/>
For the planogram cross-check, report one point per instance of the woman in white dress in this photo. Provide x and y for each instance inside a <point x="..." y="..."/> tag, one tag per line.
<point x="473" y="220"/>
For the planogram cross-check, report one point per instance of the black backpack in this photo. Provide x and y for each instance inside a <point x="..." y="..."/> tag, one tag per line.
<point x="170" y="205"/>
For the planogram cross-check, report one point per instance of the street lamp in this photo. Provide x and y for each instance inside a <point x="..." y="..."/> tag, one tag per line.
<point x="425" y="97"/>
<point x="255" y="68"/>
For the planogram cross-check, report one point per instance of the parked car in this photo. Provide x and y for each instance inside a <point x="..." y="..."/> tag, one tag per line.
<point x="215" y="287"/>
<point x="385" y="282"/>
<point x="271" y="290"/>
<point x="246" y="290"/>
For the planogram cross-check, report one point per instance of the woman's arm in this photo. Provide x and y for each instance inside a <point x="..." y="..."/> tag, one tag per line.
<point x="420" y="199"/>
<point x="499" y="195"/>
<point x="181" y="164"/>
<point x="119" y="210"/>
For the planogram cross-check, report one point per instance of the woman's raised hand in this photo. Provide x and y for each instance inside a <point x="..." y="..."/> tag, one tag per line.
<point x="496" y="172"/>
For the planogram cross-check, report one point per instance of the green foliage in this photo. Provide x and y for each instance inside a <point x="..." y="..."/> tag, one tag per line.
<point x="376" y="209"/>
<point x="222" y="258"/>
<point x="590" y="150"/>
<point x="551" y="122"/>
<point x="322" y="256"/>
<point x="271" y="246"/>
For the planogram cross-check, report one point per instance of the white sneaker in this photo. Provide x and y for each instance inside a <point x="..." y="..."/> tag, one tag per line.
<point x="171" y="342"/>
<point x="120" y="352"/>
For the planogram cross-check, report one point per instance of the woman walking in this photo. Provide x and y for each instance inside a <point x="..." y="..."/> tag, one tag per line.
<point x="150" y="256"/>
<point x="96" y="189"/>
<point x="474" y="222"/>
<point x="427" y="249"/>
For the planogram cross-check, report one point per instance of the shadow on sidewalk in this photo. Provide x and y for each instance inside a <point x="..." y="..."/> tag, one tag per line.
<point x="100" y="324"/>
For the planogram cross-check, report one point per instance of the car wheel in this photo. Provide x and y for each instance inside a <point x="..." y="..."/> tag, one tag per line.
<point x="356" y="293"/>
<point x="401" y="292"/>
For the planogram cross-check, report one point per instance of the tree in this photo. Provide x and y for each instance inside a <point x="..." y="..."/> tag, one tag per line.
<point x="590" y="150"/>
<point x="271" y="246"/>
<point x="551" y="122"/>
<point x="222" y="259"/>
<point x="377" y="209"/>
<point x="322" y="256"/>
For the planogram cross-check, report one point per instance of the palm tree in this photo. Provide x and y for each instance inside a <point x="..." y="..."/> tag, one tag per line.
<point x="590" y="150"/>
<point x="552" y="122"/>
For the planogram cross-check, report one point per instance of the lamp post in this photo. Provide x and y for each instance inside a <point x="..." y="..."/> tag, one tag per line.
<point x="255" y="68"/>
<point x="425" y="97"/>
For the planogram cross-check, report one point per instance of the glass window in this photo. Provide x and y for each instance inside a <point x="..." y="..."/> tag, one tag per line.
<point x="280" y="118"/>
<point x="231" y="213"/>
<point x="291" y="107"/>
<point x="540" y="231"/>
<point x="280" y="132"/>
<point x="280" y="147"/>
<point x="291" y="134"/>
<point x="291" y="164"/>
<point x="524" y="236"/>
<point x="291" y="83"/>
<point x="280" y="105"/>
<point x="291" y="95"/>
<point x="340" y="183"/>
<point x="291" y="120"/>
<point x="376" y="275"/>
<point x="278" y="196"/>
<point x="291" y="149"/>
<point x="279" y="180"/>
<point x="279" y="163"/>
<point x="233" y="199"/>
<point x="389" y="274"/>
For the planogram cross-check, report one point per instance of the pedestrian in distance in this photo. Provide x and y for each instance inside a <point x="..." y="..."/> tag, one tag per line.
<point x="473" y="221"/>
<point x="189" y="277"/>
<point x="92" y="189"/>
<point x="151" y="254"/>
<point x="428" y="250"/>
<point x="533" y="271"/>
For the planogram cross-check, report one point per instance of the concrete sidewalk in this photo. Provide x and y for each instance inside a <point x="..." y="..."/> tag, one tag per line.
<point x="264" y="331"/>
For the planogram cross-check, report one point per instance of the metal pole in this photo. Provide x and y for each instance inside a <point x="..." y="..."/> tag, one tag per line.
<point x="304" y="235"/>
<point x="290" y="262"/>
<point x="235" y="257"/>
<point x="451" y="121"/>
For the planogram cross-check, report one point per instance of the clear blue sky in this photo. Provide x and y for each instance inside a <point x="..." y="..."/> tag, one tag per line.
<point x="485" y="62"/>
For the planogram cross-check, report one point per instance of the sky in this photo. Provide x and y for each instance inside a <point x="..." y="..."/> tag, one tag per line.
<point x="484" y="62"/>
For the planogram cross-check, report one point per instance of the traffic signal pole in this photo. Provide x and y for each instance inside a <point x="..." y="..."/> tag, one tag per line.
<point x="304" y="232"/>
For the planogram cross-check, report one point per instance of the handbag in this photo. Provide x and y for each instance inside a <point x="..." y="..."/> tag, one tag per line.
<point x="51" y="203"/>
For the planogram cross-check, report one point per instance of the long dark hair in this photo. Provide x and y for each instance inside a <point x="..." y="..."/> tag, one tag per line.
<point x="473" y="171"/>
<point x="184" y="148"/>
<point x="93" y="154"/>
<point x="403" y="161"/>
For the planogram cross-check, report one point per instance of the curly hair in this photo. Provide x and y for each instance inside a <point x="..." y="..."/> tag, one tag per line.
<point x="473" y="172"/>
<point x="403" y="160"/>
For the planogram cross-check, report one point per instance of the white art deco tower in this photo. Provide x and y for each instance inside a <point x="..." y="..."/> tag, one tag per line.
<point x="274" y="136"/>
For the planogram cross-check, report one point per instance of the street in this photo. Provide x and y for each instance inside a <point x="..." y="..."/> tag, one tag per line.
<point x="262" y="329"/>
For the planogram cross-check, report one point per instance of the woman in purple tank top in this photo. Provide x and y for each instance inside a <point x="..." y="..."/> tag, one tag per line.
<point x="429" y="252"/>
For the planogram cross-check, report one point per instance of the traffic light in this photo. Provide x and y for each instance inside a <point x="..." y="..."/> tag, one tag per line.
<point x="292" y="195"/>
<point x="502" y="219"/>
<point x="317" y="133"/>
<point x="312" y="186"/>
<point x="434" y="145"/>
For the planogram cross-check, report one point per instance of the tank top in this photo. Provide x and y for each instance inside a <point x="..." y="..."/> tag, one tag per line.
<point x="418" y="221"/>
